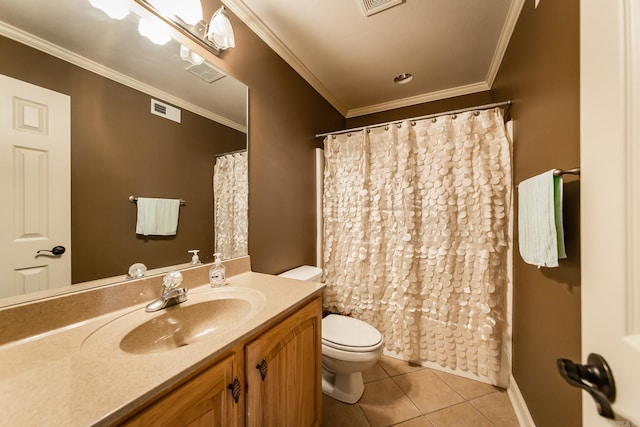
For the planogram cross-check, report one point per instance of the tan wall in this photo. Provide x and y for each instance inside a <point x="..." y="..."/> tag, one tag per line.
<point x="540" y="73"/>
<point x="119" y="149"/>
<point x="285" y="113"/>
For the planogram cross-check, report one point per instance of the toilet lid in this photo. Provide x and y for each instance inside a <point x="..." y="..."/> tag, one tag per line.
<point x="349" y="332"/>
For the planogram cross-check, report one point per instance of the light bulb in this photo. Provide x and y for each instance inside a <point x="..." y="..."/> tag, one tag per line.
<point x="116" y="9"/>
<point x="154" y="30"/>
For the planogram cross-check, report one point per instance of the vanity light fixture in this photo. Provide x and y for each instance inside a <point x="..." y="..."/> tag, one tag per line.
<point x="186" y="15"/>
<point x="116" y="9"/>
<point x="189" y="11"/>
<point x="220" y="31"/>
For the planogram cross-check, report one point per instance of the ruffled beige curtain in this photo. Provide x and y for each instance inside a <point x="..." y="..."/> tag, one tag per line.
<point x="415" y="236"/>
<point x="230" y="194"/>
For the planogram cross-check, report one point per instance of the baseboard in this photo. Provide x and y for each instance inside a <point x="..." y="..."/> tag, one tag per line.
<point x="519" y="405"/>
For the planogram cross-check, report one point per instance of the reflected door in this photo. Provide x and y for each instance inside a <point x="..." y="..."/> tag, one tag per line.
<point x="35" y="140"/>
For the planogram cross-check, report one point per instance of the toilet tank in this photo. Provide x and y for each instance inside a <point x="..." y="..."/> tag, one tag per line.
<point x="304" y="272"/>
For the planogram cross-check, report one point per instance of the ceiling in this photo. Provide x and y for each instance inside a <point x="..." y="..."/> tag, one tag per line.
<point x="452" y="47"/>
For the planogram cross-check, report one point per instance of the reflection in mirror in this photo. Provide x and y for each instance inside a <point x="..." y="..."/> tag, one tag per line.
<point x="118" y="147"/>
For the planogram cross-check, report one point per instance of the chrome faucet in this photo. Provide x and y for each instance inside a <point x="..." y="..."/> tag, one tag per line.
<point x="172" y="294"/>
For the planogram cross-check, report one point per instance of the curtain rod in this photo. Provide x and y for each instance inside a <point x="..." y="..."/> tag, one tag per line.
<point x="430" y="116"/>
<point x="231" y="152"/>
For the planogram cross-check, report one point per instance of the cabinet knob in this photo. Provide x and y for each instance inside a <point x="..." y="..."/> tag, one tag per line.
<point x="263" y="368"/>
<point x="236" y="389"/>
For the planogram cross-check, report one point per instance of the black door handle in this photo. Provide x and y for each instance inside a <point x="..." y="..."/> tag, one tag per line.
<point x="595" y="378"/>
<point x="263" y="367"/>
<point x="236" y="389"/>
<point x="56" y="250"/>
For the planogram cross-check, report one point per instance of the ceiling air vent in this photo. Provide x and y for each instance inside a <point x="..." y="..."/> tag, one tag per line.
<point x="369" y="7"/>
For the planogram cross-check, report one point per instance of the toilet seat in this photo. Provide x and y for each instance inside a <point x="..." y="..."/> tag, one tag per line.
<point x="349" y="334"/>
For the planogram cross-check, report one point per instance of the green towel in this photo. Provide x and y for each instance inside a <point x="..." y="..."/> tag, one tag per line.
<point x="557" y="201"/>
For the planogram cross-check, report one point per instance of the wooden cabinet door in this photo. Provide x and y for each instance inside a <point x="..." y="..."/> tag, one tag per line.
<point x="206" y="400"/>
<point x="289" y="357"/>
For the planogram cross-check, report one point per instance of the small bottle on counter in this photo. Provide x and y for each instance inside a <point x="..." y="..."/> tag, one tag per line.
<point x="195" y="259"/>
<point x="217" y="273"/>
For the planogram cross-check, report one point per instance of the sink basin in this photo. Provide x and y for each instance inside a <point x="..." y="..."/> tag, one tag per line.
<point x="205" y="315"/>
<point x="182" y="325"/>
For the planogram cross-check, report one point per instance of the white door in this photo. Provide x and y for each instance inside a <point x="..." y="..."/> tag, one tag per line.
<point x="610" y="184"/>
<point x="35" y="136"/>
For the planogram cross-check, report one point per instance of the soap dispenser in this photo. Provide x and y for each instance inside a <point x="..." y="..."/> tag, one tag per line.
<point x="217" y="273"/>
<point x="195" y="259"/>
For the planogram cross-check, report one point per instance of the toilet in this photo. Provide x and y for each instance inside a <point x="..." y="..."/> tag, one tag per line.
<point x="349" y="346"/>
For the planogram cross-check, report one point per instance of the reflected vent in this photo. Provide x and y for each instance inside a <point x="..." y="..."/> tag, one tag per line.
<point x="206" y="72"/>
<point x="370" y="7"/>
<point x="165" y="110"/>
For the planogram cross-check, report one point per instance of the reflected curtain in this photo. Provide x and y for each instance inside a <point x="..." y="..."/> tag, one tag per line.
<point x="415" y="236"/>
<point x="230" y="193"/>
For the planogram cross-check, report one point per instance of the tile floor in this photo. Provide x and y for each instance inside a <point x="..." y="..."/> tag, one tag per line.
<point x="401" y="395"/>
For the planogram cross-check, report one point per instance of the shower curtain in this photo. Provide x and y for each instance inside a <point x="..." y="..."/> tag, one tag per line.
<point x="415" y="236"/>
<point x="230" y="194"/>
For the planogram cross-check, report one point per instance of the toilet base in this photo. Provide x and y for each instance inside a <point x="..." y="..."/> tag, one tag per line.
<point x="347" y="388"/>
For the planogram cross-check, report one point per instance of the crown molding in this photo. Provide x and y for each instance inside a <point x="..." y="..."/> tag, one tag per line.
<point x="419" y="99"/>
<point x="503" y="41"/>
<point x="45" y="46"/>
<point x="247" y="16"/>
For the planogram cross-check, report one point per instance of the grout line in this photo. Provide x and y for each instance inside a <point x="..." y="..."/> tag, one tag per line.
<point x="424" y="415"/>
<point x="364" y="414"/>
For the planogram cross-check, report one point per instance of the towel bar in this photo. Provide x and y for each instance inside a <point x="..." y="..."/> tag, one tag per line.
<point x="134" y="199"/>
<point x="560" y="172"/>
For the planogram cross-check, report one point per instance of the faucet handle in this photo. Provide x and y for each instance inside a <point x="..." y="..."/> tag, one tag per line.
<point x="171" y="281"/>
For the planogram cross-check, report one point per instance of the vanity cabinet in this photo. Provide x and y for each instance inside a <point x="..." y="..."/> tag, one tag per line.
<point x="279" y="370"/>
<point x="283" y="372"/>
<point x="205" y="400"/>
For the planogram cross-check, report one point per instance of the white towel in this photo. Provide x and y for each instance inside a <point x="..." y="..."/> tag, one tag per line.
<point x="157" y="217"/>
<point x="540" y="229"/>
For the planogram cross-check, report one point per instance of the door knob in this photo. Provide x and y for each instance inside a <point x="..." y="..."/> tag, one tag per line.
<point x="595" y="378"/>
<point x="56" y="250"/>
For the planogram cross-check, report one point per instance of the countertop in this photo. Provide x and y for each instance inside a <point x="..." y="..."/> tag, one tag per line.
<point x="53" y="379"/>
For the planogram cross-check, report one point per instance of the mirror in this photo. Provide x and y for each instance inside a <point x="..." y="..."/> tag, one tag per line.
<point x="118" y="147"/>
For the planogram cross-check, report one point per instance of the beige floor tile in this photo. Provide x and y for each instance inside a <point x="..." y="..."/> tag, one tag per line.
<point x="427" y="391"/>
<point x="416" y="422"/>
<point x="376" y="372"/>
<point x="338" y="414"/>
<point x="395" y="366"/>
<point x="460" y="415"/>
<point x="384" y="404"/>
<point x="467" y="388"/>
<point x="497" y="407"/>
